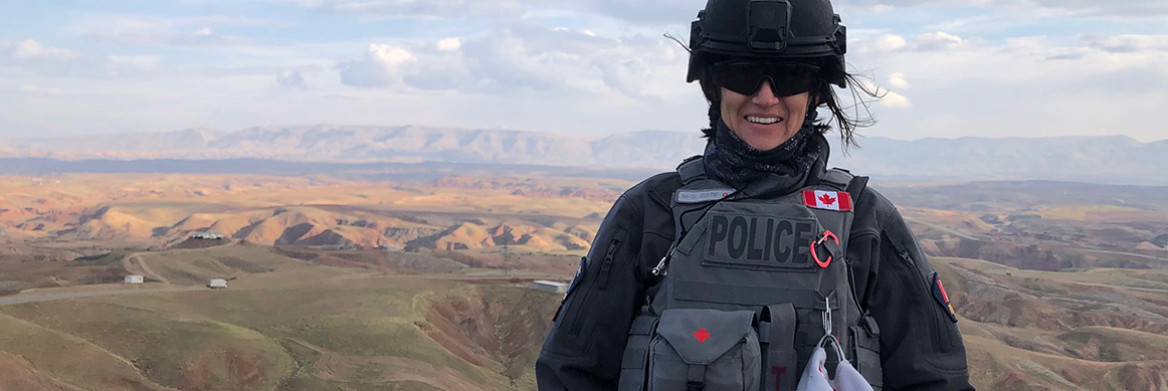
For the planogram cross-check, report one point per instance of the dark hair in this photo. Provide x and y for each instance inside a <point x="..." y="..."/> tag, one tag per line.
<point x="825" y="95"/>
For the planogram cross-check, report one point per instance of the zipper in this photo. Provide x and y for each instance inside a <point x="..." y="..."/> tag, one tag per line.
<point x="606" y="266"/>
<point x="602" y="281"/>
<point x="937" y="332"/>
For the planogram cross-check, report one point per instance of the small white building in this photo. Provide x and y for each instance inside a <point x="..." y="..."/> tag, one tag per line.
<point x="549" y="286"/>
<point x="217" y="283"/>
<point x="135" y="279"/>
<point x="207" y="236"/>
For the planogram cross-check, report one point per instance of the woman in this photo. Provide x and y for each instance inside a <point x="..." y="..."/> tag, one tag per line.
<point x="730" y="272"/>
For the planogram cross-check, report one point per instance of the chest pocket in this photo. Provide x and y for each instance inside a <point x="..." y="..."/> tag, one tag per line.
<point x="704" y="349"/>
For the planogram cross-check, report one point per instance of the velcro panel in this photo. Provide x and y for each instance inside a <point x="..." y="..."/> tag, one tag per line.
<point x="708" y="292"/>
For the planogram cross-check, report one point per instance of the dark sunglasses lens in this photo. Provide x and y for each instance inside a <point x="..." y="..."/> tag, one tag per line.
<point x="746" y="77"/>
<point x="743" y="78"/>
<point x="796" y="82"/>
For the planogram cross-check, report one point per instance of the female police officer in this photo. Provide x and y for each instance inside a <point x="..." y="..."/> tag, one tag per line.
<point x="728" y="273"/>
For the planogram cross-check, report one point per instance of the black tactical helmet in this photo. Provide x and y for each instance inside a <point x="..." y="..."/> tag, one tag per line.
<point x="799" y="30"/>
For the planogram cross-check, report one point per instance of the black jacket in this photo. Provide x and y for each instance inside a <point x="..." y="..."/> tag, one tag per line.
<point x="921" y="347"/>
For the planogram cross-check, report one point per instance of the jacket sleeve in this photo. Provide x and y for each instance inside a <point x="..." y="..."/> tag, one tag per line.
<point x="921" y="347"/>
<point x="584" y="347"/>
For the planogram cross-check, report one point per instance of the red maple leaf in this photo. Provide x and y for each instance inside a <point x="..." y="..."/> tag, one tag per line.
<point x="826" y="199"/>
<point x="702" y="335"/>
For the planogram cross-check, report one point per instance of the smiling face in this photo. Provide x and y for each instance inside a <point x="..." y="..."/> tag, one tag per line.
<point x="763" y="120"/>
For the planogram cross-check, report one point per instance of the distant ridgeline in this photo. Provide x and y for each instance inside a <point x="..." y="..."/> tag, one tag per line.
<point x="364" y="171"/>
<point x="328" y="149"/>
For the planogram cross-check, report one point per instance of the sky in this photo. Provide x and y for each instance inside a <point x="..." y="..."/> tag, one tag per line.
<point x="983" y="68"/>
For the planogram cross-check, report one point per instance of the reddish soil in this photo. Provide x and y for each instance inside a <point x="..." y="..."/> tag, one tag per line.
<point x="491" y="326"/>
<point x="243" y="371"/>
<point x="363" y="369"/>
<point x="16" y="373"/>
<point x="1015" y="382"/>
<point x="1144" y="377"/>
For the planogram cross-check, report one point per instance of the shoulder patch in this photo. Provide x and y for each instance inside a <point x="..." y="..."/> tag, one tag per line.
<point x="579" y="275"/>
<point x="830" y="200"/>
<point x="942" y="297"/>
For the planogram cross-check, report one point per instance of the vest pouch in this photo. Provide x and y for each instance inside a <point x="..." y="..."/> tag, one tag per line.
<point x="777" y="337"/>
<point x="705" y="350"/>
<point x="865" y="341"/>
<point x="636" y="356"/>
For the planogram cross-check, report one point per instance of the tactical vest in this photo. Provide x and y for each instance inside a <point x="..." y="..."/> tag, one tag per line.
<point x="745" y="271"/>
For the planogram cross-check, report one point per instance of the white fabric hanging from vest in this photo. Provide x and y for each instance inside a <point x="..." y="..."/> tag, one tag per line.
<point x="815" y="377"/>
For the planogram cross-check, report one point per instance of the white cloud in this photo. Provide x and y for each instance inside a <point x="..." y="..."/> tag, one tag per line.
<point x="894" y="100"/>
<point x="1026" y="86"/>
<point x="591" y="66"/>
<point x="449" y="45"/>
<point x="937" y="41"/>
<point x="522" y="58"/>
<point x="887" y="43"/>
<point x="30" y="49"/>
<point x="897" y="80"/>
<point x="626" y="76"/>
<point x="292" y="79"/>
<point x="36" y="58"/>
<point x="383" y="66"/>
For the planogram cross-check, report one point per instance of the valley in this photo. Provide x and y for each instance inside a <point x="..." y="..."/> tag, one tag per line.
<point x="421" y="282"/>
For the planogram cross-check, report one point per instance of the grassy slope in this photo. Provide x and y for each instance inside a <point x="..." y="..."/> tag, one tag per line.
<point x="70" y="358"/>
<point x="195" y="267"/>
<point x="191" y="340"/>
<point x="344" y="311"/>
<point x="175" y="350"/>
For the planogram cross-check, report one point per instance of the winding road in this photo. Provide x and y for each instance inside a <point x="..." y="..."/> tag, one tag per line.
<point x="32" y="298"/>
<point x="134" y="263"/>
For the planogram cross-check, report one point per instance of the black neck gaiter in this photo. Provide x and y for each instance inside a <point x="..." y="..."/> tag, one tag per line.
<point x="732" y="161"/>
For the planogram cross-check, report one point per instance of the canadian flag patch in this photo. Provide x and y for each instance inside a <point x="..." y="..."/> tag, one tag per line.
<point x="830" y="200"/>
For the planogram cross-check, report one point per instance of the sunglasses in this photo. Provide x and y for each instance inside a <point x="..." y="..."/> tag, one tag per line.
<point x="745" y="77"/>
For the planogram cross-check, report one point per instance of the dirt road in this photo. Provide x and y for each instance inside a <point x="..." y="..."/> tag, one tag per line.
<point x="32" y="298"/>
<point x="1142" y="256"/>
<point x="135" y="263"/>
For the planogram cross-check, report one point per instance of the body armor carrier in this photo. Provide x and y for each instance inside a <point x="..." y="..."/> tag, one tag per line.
<point x="747" y="271"/>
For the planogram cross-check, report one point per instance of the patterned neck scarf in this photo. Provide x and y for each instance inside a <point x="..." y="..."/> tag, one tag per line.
<point x="732" y="161"/>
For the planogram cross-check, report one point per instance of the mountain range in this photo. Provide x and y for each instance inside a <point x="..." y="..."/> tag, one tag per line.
<point x="1107" y="159"/>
